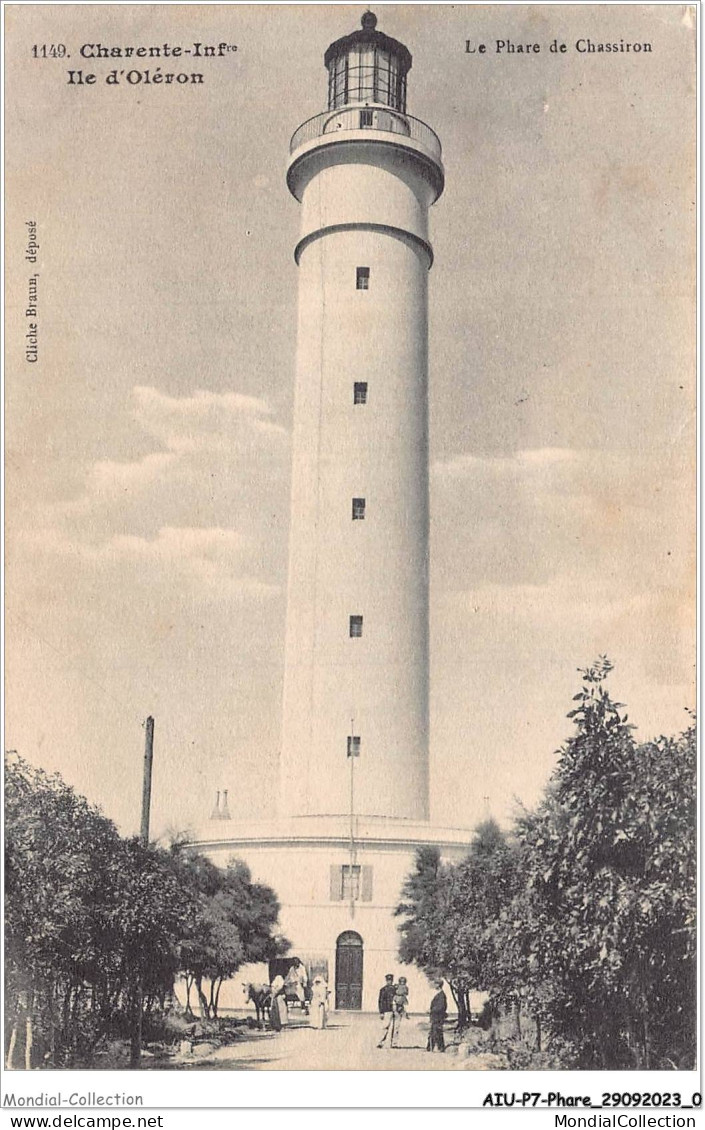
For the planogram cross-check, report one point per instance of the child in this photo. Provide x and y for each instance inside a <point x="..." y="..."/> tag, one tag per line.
<point x="401" y="996"/>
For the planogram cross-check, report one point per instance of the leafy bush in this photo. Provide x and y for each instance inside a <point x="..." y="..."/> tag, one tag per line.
<point x="584" y="917"/>
<point x="98" y="926"/>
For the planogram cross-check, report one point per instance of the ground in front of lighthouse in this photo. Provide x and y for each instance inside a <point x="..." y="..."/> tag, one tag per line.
<point x="347" y="1044"/>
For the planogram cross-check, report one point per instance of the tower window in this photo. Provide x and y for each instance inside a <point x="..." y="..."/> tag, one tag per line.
<point x="360" y="392"/>
<point x="365" y="119"/>
<point x="353" y="747"/>
<point x="358" y="509"/>
<point x="362" y="278"/>
<point x="355" y="627"/>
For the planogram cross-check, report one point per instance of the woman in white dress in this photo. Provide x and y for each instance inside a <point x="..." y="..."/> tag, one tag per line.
<point x="279" y="1013"/>
<point x="319" y="1003"/>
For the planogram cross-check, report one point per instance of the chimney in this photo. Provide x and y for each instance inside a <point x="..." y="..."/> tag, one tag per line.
<point x="215" y="814"/>
<point x="225" y="811"/>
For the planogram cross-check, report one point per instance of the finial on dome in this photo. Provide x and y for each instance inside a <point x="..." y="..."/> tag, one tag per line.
<point x="369" y="21"/>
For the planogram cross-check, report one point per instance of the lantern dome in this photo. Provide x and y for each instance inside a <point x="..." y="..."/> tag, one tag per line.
<point x="367" y="67"/>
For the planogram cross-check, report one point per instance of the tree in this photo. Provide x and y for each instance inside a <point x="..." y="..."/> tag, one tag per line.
<point x="98" y="926"/>
<point x="233" y="925"/>
<point x="600" y="940"/>
<point x="480" y="887"/>
<point x="254" y="910"/>
<point x="585" y="915"/>
<point x="422" y="894"/>
<point x="450" y="913"/>
<point x="212" y="952"/>
<point x="60" y="872"/>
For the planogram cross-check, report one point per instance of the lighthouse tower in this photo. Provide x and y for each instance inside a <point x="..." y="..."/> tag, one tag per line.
<point x="354" y="775"/>
<point x="357" y="665"/>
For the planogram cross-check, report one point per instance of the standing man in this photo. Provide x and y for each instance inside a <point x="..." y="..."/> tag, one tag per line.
<point x="297" y="982"/>
<point x="386" y="1010"/>
<point x="437" y="1015"/>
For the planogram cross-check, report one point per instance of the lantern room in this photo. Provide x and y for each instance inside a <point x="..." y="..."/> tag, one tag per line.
<point x="367" y="68"/>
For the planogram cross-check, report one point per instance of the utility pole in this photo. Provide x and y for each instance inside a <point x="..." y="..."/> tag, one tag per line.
<point x="147" y="780"/>
<point x="136" y="1036"/>
<point x="352" y="755"/>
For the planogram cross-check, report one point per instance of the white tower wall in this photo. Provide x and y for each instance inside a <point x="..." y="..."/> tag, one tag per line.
<point x="367" y="211"/>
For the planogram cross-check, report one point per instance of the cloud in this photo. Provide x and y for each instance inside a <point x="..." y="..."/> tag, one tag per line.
<point x="537" y="633"/>
<point x="108" y="478"/>
<point x="207" y="562"/>
<point x="528" y="517"/>
<point x="216" y="562"/>
<point x="222" y="465"/>
<point x="206" y="421"/>
<point x="207" y="438"/>
<point x="462" y="466"/>
<point x="170" y="542"/>
<point x="204" y="517"/>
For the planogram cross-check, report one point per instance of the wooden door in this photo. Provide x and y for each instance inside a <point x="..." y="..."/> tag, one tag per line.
<point x="348" y="971"/>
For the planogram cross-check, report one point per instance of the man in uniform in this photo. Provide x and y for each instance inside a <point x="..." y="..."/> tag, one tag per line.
<point x="386" y="1011"/>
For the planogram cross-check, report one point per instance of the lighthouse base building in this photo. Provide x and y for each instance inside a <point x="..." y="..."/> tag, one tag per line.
<point x="354" y="770"/>
<point x="339" y="916"/>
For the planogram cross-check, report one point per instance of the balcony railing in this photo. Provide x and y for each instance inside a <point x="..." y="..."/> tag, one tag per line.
<point x="375" y="118"/>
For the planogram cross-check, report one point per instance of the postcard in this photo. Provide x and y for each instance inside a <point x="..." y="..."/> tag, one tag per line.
<point x="350" y="575"/>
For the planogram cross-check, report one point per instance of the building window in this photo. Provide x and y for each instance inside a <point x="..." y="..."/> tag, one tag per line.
<point x="355" y="627"/>
<point x="350" y="882"/>
<point x="358" y="509"/>
<point x="366" y="119"/>
<point x="362" y="278"/>
<point x="360" y="392"/>
<point x="353" y="746"/>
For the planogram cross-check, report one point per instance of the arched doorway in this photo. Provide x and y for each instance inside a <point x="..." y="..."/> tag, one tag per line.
<point x="348" y="971"/>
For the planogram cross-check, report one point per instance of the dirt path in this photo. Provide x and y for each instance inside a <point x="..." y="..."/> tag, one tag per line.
<point x="348" y="1044"/>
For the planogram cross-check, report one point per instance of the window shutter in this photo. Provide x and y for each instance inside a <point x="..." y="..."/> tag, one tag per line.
<point x="336" y="882"/>
<point x="367" y="884"/>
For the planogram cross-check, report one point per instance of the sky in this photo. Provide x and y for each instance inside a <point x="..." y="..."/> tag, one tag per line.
<point x="148" y="449"/>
